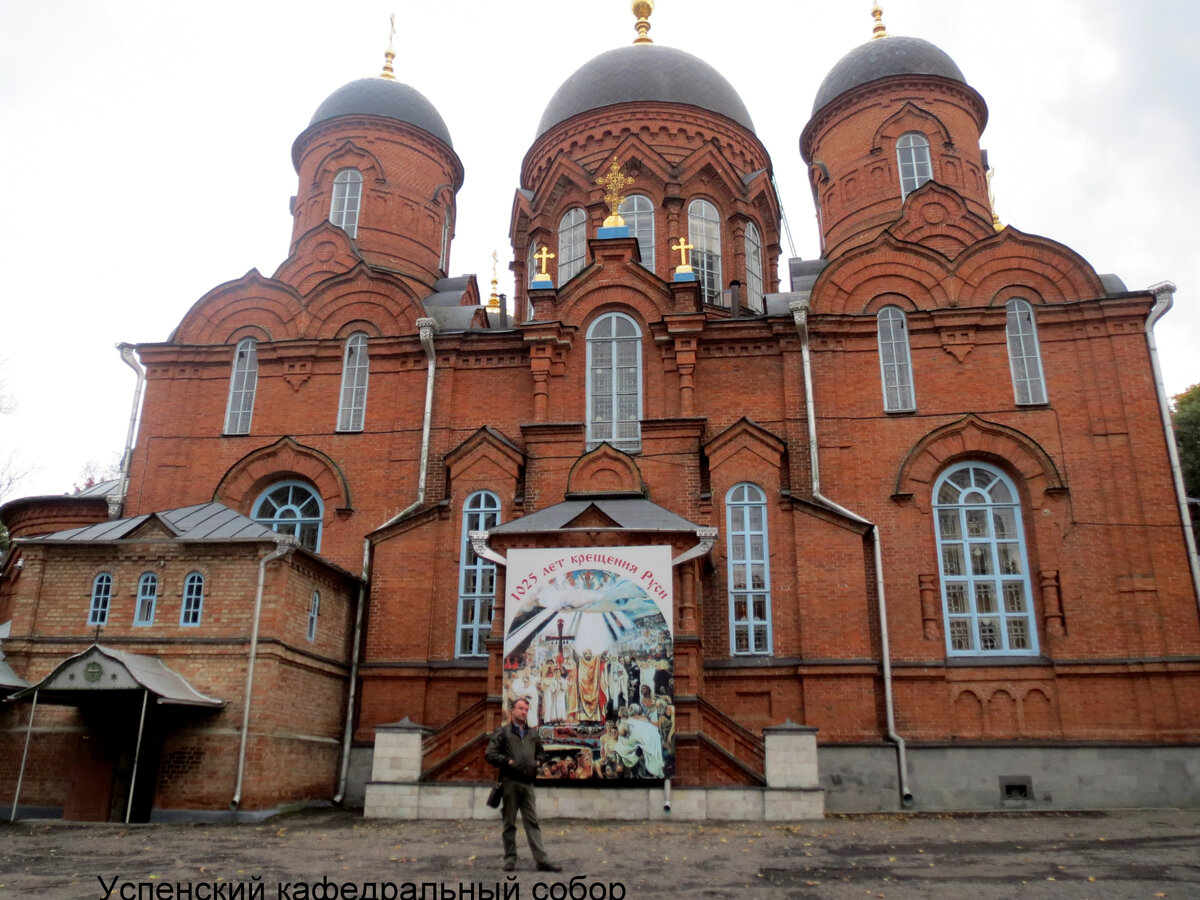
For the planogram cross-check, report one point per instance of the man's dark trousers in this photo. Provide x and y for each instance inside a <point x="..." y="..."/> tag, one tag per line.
<point x="519" y="796"/>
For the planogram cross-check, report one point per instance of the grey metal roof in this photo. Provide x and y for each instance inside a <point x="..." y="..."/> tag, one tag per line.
<point x="100" y="489"/>
<point x="203" y="522"/>
<point x="148" y="672"/>
<point x="1113" y="284"/>
<point x="388" y="99"/>
<point x="644" y="72"/>
<point x="453" y="318"/>
<point x="881" y="58"/>
<point x="630" y="513"/>
<point x="9" y="680"/>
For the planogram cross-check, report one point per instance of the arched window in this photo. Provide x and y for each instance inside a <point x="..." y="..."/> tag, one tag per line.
<point x="444" y="253"/>
<point x="242" y="384"/>
<point x="985" y="577"/>
<point x="147" y="599"/>
<point x="476" y="576"/>
<point x="314" y="610"/>
<point x="531" y="270"/>
<point x="101" y="598"/>
<point x="614" y="386"/>
<point x="912" y="157"/>
<point x="572" y="244"/>
<point x="353" y="407"/>
<point x="193" y="599"/>
<point x="347" y="198"/>
<point x="895" y="361"/>
<point x="1024" y="354"/>
<point x="754" y="269"/>
<point x="704" y="234"/>
<point x="749" y="570"/>
<point x="292" y="508"/>
<point x="638" y="213"/>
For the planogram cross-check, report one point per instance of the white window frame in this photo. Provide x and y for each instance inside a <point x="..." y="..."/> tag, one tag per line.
<point x="346" y="203"/>
<point x="444" y="253"/>
<point x="356" y="363"/>
<point x="476" y="577"/>
<point x="243" y="383"/>
<point x="755" y="295"/>
<point x="291" y="511"/>
<point x="147" y="599"/>
<point x="913" y="161"/>
<point x="611" y="358"/>
<point x="704" y="234"/>
<point x="192" y="609"/>
<point x="987" y="596"/>
<point x="101" y="601"/>
<point x="314" y="610"/>
<point x="895" y="361"/>
<point x="572" y="244"/>
<point x="750" y="632"/>
<point x="1024" y="353"/>
<point x="638" y="212"/>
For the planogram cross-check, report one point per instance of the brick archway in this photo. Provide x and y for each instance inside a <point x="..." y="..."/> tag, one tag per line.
<point x="246" y="478"/>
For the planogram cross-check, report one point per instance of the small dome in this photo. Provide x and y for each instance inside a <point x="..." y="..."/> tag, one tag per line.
<point x="388" y="99"/>
<point x="882" y="58"/>
<point x="642" y="72"/>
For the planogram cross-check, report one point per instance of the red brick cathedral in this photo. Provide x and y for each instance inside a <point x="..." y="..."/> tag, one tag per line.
<point x="919" y="499"/>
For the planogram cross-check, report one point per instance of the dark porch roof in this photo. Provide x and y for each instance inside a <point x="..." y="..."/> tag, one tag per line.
<point x="628" y="513"/>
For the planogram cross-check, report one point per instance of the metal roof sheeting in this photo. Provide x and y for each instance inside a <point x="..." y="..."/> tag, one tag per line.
<point x="203" y="522"/>
<point x="631" y="514"/>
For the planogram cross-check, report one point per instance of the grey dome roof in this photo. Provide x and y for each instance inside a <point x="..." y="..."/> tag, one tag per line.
<point x="644" y="72"/>
<point x="388" y="99"/>
<point x="891" y="55"/>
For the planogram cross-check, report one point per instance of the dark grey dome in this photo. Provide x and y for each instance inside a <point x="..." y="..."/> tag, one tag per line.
<point x="386" y="98"/>
<point x="881" y="58"/>
<point x="644" y="72"/>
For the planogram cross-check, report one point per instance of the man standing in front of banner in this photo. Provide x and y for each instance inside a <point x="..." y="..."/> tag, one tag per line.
<point x="515" y="749"/>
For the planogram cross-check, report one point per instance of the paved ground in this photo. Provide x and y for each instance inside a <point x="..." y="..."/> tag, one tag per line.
<point x="1154" y="853"/>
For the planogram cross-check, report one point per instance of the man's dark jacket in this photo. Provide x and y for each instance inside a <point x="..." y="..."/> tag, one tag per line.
<point x="525" y="753"/>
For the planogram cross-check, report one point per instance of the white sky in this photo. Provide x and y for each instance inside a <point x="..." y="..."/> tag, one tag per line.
<point x="147" y="149"/>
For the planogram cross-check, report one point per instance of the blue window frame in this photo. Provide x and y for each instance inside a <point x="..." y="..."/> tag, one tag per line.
<point x="476" y="576"/>
<point x="242" y="384"/>
<point x="293" y="508"/>
<point x="749" y="570"/>
<point x="101" y="599"/>
<point x="193" y="600"/>
<point x="147" y="599"/>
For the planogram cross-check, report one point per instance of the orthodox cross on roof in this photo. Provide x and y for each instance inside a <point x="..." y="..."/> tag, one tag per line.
<point x="543" y="256"/>
<point x="560" y="640"/>
<point x="389" y="55"/>
<point x="683" y="247"/>
<point x="878" y="31"/>
<point x="642" y="9"/>
<point x="614" y="182"/>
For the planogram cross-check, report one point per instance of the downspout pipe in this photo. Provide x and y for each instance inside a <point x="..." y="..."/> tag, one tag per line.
<point x="799" y="309"/>
<point x="283" y="547"/>
<point x="1164" y="297"/>
<point x="116" y="502"/>
<point x="426" y="327"/>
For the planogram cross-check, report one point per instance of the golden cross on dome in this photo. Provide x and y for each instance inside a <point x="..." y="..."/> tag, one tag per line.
<point x="642" y="9"/>
<point x="879" y="30"/>
<point x="389" y="55"/>
<point x="683" y="247"/>
<point x="493" y="303"/>
<point x="614" y="183"/>
<point x="543" y="256"/>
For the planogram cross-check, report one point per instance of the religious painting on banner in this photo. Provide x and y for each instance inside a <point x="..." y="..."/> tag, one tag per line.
<point x="589" y="642"/>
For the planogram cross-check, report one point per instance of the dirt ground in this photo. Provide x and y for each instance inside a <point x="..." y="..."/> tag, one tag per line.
<point x="1143" y="853"/>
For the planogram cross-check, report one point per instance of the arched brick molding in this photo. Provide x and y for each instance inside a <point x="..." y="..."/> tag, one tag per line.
<point x="284" y="459"/>
<point x="605" y="470"/>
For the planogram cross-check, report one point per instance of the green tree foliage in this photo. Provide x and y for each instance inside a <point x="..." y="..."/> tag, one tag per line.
<point x="1187" y="435"/>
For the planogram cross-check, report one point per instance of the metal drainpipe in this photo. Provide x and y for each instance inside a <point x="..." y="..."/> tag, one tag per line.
<point x="285" y="546"/>
<point x="116" y="503"/>
<point x="799" y="310"/>
<point x="426" y="328"/>
<point x="1164" y="293"/>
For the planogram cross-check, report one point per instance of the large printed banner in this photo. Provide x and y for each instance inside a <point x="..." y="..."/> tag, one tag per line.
<point x="588" y="641"/>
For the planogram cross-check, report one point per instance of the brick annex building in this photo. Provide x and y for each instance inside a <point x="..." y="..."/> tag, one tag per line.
<point x="921" y="498"/>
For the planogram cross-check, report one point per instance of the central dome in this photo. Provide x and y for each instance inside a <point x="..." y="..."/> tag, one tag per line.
<point x="644" y="72"/>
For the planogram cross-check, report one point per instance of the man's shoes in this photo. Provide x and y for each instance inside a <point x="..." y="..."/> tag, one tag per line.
<point x="509" y="865"/>
<point x="548" y="867"/>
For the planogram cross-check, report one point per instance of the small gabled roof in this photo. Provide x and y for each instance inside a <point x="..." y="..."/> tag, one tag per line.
<point x="202" y="522"/>
<point x="629" y="513"/>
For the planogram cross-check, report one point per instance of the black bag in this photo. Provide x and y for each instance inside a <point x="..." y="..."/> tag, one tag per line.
<point x="495" y="796"/>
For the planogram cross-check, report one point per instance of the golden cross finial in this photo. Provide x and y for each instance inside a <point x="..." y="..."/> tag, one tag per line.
<point x="543" y="256"/>
<point x="878" y="31"/>
<point x="683" y="247"/>
<point x="642" y="9"/>
<point x="996" y="223"/>
<point x="614" y="183"/>
<point x="390" y="54"/>
<point x="493" y="303"/>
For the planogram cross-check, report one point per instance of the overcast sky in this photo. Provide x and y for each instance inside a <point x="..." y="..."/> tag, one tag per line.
<point x="147" y="149"/>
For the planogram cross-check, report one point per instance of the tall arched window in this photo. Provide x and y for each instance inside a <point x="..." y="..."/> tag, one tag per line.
<point x="292" y="508"/>
<point x="242" y="384"/>
<point x="614" y="386"/>
<point x="347" y="198"/>
<point x="912" y="157"/>
<point x="749" y="570"/>
<point x="895" y="361"/>
<point x="531" y="271"/>
<point x="754" y="269"/>
<point x="314" y="610"/>
<point x="1024" y="354"/>
<point x="476" y="576"/>
<point x="101" y="599"/>
<point x="352" y="409"/>
<point x="704" y="234"/>
<point x="193" y="599"/>
<point x="572" y="244"/>
<point x="147" y="599"/>
<point x="444" y="253"/>
<point x="638" y="213"/>
<point x="985" y="575"/>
